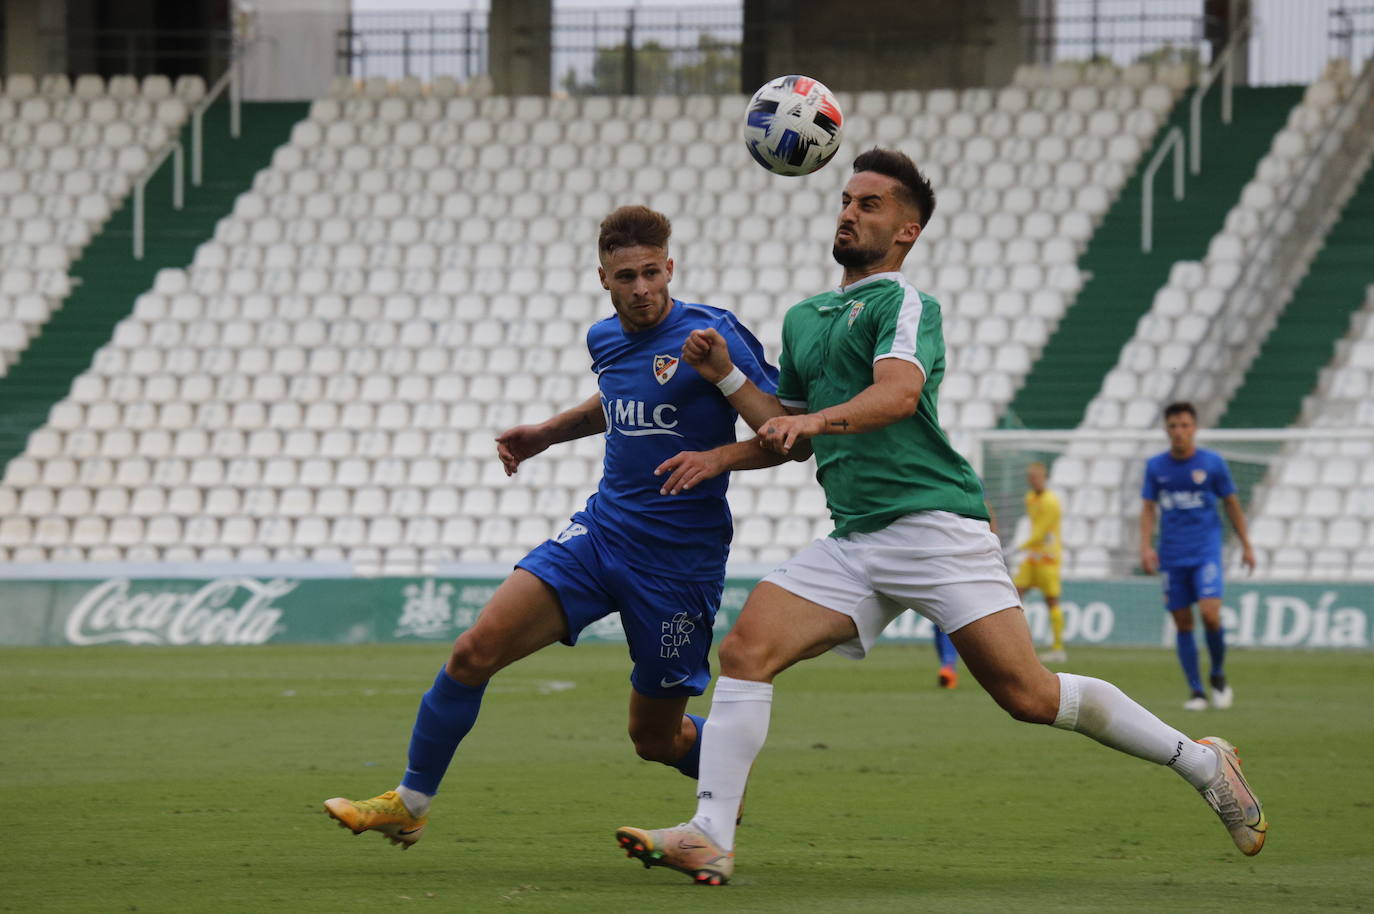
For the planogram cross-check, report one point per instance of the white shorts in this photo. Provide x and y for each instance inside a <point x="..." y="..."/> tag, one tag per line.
<point x="947" y="567"/>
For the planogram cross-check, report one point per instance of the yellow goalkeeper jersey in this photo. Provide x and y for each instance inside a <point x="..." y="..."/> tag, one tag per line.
<point x="1044" y="543"/>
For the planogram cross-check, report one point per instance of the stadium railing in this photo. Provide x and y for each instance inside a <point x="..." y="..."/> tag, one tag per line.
<point x="1268" y="276"/>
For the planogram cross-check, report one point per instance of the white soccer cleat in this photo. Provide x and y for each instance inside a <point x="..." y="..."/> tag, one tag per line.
<point x="1231" y="798"/>
<point x="1197" y="703"/>
<point x="683" y="848"/>
<point x="1222" y="697"/>
<point x="1052" y="656"/>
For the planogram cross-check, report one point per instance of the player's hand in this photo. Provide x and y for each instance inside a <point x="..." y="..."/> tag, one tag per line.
<point x="519" y="444"/>
<point x="687" y="468"/>
<point x="707" y="352"/>
<point x="1149" y="559"/>
<point x="1247" y="558"/>
<point x="780" y="433"/>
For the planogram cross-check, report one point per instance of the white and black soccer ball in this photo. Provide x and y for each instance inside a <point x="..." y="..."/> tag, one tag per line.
<point x="793" y="125"/>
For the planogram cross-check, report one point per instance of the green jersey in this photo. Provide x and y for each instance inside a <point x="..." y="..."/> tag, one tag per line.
<point x="830" y="343"/>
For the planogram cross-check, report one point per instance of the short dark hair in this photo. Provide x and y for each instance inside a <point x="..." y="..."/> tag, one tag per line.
<point x="629" y="226"/>
<point x="1180" y="406"/>
<point x="898" y="165"/>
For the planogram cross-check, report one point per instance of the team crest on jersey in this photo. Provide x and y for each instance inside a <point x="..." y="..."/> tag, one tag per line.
<point x="665" y="366"/>
<point x="854" y="311"/>
<point x="1199" y="476"/>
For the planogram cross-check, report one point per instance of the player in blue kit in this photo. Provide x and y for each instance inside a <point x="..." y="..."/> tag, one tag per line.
<point x="1186" y="482"/>
<point x="656" y="559"/>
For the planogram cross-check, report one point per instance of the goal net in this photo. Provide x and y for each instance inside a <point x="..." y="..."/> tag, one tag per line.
<point x="1307" y="495"/>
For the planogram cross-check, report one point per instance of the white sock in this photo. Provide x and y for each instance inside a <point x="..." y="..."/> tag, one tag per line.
<point x="1100" y="710"/>
<point x="735" y="731"/>
<point x="416" y="802"/>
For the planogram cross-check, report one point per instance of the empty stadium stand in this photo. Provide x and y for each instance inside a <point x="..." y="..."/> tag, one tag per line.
<point x="325" y="378"/>
<point x="1122" y="281"/>
<point x="1178" y="332"/>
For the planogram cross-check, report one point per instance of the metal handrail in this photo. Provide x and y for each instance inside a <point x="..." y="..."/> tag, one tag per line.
<point x="1173" y="140"/>
<point x="1251" y="280"/>
<point x="229" y="77"/>
<point x="178" y="189"/>
<point x="1225" y="66"/>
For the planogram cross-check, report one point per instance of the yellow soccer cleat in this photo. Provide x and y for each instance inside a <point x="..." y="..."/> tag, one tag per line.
<point x="386" y="814"/>
<point x="682" y="848"/>
<point x="1230" y="796"/>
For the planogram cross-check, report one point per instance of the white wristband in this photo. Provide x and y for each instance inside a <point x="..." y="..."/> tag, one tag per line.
<point x="732" y="382"/>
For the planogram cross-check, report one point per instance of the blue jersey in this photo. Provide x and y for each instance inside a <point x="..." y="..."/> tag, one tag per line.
<point x="1187" y="493"/>
<point x="655" y="406"/>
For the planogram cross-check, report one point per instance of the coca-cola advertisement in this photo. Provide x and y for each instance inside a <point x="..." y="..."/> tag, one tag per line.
<point x="245" y="610"/>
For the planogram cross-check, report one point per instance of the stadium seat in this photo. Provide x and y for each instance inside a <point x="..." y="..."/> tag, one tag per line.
<point x="369" y="262"/>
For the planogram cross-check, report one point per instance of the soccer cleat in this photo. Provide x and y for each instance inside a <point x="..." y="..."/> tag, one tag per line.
<point x="948" y="678"/>
<point x="1230" y="796"/>
<point x="682" y="848"/>
<point x="1054" y="656"/>
<point x="1222" y="697"/>
<point x="386" y="814"/>
<point x="1197" y="703"/>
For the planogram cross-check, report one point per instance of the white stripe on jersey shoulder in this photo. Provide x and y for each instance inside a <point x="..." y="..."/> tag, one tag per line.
<point x="876" y="277"/>
<point x="795" y="404"/>
<point x="908" y="325"/>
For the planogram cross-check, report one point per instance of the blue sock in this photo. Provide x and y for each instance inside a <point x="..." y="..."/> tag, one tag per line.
<point x="690" y="763"/>
<point x="945" y="648"/>
<point x="1187" y="658"/>
<point x="447" y="712"/>
<point x="1216" y="649"/>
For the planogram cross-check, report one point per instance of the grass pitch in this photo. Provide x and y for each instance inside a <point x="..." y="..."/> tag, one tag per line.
<point x="191" y="779"/>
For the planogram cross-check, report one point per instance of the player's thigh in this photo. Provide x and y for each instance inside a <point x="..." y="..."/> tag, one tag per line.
<point x="1180" y="588"/>
<point x="777" y="628"/>
<point x="1048" y="581"/>
<point x="1183" y="618"/>
<point x="999" y="652"/>
<point x="522" y="616"/>
<point x="668" y="627"/>
<point x="946" y="567"/>
<point x="1024" y="579"/>
<point x="1210" y="610"/>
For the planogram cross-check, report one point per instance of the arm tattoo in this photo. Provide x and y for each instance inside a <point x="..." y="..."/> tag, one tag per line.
<point x="841" y="424"/>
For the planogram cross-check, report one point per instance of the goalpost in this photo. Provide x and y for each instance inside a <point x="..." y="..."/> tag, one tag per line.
<point x="1308" y="494"/>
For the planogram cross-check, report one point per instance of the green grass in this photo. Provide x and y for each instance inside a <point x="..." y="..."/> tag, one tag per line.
<point x="190" y="779"/>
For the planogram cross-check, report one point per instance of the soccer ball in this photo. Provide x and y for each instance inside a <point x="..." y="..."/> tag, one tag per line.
<point x="793" y="125"/>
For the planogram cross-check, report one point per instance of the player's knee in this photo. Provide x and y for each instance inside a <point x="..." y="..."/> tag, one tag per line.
<point x="474" y="658"/>
<point x="1029" y="704"/>
<point x="744" y="658"/>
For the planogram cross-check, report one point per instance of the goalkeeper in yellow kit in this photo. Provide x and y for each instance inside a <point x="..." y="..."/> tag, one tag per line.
<point x="1044" y="549"/>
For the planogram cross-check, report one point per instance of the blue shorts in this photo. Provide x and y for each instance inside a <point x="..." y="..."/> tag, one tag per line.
<point x="1185" y="586"/>
<point x="667" y="622"/>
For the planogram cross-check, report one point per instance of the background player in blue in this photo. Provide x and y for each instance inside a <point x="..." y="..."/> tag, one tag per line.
<point x="656" y="559"/>
<point x="1187" y="481"/>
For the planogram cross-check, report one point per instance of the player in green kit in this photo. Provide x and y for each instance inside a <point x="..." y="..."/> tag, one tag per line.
<point x="860" y="374"/>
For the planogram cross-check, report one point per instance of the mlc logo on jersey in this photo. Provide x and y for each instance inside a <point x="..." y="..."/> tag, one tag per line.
<point x="634" y="418"/>
<point x="1199" y="476"/>
<point x="665" y="366"/>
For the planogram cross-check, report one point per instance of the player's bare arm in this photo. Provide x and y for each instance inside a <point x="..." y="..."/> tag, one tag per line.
<point x="516" y="445"/>
<point x="1149" y="559"/>
<point x="1237" y="516"/>
<point x="707" y="351"/>
<point x="893" y="396"/>
<point x="689" y="468"/>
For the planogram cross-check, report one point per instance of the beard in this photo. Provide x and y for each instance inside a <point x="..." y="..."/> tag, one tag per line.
<point x="856" y="256"/>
